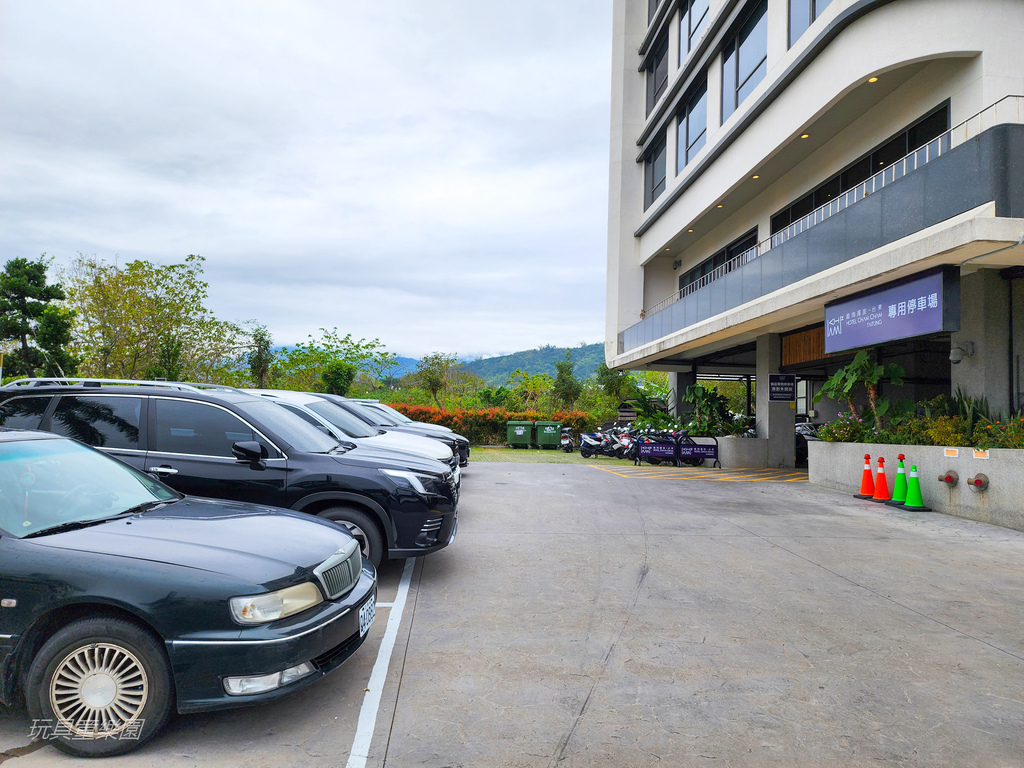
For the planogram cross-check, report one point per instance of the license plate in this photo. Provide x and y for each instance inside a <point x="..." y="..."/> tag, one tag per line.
<point x="366" y="614"/>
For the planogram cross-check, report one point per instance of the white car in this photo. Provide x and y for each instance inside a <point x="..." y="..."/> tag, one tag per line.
<point x="342" y="425"/>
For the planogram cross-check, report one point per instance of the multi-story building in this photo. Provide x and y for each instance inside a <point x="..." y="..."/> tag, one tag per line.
<point x="794" y="180"/>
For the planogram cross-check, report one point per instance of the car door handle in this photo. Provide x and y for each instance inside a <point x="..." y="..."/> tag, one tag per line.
<point x="164" y="470"/>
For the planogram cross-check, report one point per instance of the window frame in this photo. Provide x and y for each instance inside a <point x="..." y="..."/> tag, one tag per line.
<point x="813" y="14"/>
<point x="685" y="151"/>
<point x="654" y="89"/>
<point x="650" y="162"/>
<point x="153" y="431"/>
<point x="693" y="32"/>
<point x="731" y="54"/>
<point x="143" y="418"/>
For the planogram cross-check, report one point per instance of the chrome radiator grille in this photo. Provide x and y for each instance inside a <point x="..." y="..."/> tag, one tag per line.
<point x="340" y="572"/>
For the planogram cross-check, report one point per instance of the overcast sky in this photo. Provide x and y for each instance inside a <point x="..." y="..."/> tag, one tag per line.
<point x="430" y="172"/>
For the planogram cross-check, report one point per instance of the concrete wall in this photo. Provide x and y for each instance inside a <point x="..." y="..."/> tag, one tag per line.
<point x="743" y="452"/>
<point x="840" y="465"/>
<point x="984" y="311"/>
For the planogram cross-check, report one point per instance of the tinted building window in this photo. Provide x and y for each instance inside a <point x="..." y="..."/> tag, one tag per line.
<point x="801" y="14"/>
<point x="104" y="422"/>
<point x="745" y="60"/>
<point x="722" y="260"/>
<point x="657" y="75"/>
<point x="692" y="23"/>
<point x="654" y="172"/>
<point x="197" y="428"/>
<point x="924" y="131"/>
<point x="652" y="8"/>
<point x="23" y="412"/>
<point x="693" y="127"/>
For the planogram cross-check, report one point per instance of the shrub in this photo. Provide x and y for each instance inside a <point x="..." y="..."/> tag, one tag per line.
<point x="487" y="426"/>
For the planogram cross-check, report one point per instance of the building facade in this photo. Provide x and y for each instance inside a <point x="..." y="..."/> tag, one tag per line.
<point x="795" y="180"/>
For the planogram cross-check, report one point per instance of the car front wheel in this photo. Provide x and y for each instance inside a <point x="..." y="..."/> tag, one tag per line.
<point x="100" y="687"/>
<point x="362" y="528"/>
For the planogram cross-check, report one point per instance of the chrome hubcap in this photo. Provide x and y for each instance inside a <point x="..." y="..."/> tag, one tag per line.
<point x="358" y="535"/>
<point x="97" y="690"/>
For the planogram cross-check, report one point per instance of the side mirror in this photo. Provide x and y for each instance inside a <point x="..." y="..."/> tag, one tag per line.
<point x="249" y="450"/>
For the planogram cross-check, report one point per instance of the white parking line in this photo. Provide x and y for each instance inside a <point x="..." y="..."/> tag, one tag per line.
<point x="371" y="702"/>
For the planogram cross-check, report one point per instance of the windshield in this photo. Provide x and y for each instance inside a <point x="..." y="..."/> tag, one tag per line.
<point x="400" y="418"/>
<point x="47" y="483"/>
<point x="289" y="427"/>
<point x="378" y="415"/>
<point x="342" y="419"/>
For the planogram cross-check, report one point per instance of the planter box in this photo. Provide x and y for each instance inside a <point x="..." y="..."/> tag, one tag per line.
<point x="743" y="452"/>
<point x="840" y="465"/>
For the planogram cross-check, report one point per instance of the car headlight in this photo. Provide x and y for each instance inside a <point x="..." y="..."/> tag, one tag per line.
<point x="406" y="479"/>
<point x="271" y="606"/>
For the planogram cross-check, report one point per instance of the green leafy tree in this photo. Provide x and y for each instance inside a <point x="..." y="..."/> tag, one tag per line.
<point x="862" y="371"/>
<point x="53" y="336"/>
<point x="435" y="373"/>
<point x="338" y="376"/>
<point x="618" y="384"/>
<point x="260" y="357"/>
<point x="26" y="311"/>
<point x="303" y="363"/>
<point x="566" y="388"/>
<point x="529" y="390"/>
<point x="124" y="315"/>
<point x="168" y="360"/>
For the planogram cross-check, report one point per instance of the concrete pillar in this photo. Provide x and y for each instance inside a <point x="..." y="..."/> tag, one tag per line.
<point x="775" y="421"/>
<point x="985" y="323"/>
<point x="778" y="31"/>
<point x="1017" y="318"/>
<point x="678" y="382"/>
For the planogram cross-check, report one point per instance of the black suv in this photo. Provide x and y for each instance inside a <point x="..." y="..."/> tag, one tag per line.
<point x="379" y="419"/>
<point x="224" y="444"/>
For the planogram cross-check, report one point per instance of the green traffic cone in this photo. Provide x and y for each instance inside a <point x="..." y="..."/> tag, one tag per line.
<point x="914" y="502"/>
<point x="899" y="486"/>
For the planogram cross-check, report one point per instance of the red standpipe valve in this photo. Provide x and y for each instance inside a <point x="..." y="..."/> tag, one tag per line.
<point x="978" y="483"/>
<point x="950" y="478"/>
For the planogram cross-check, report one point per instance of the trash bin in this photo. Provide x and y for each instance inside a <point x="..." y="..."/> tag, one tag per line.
<point x="519" y="433"/>
<point x="549" y="434"/>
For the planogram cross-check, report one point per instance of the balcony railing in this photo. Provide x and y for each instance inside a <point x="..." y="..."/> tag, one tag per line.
<point x="1009" y="109"/>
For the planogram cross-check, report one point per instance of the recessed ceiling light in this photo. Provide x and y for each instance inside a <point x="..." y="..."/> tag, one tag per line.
<point x="689" y="230"/>
<point x="668" y="249"/>
<point x="756" y="176"/>
<point x="805" y="136"/>
<point x="872" y="79"/>
<point x="721" y="206"/>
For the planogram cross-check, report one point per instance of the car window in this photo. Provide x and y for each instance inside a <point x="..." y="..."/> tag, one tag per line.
<point x="342" y="419"/>
<point x="306" y="417"/>
<point x="23" y="412"/>
<point x="105" y="422"/>
<point x="285" y="425"/>
<point x="199" y="429"/>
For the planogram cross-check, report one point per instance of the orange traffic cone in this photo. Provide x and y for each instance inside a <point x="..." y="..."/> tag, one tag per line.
<point x="867" y="483"/>
<point x="881" y="484"/>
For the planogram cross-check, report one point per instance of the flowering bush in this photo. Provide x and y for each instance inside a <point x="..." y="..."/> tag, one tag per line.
<point x="487" y="426"/>
<point x="847" y="428"/>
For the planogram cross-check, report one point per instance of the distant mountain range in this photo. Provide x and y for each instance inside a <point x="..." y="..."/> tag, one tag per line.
<point x="495" y="371"/>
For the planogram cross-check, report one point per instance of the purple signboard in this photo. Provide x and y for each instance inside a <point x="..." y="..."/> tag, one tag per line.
<point x="910" y="308"/>
<point x="698" y="451"/>
<point x="658" y="450"/>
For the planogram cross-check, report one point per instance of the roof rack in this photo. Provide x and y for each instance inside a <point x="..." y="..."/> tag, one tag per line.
<point x="89" y="381"/>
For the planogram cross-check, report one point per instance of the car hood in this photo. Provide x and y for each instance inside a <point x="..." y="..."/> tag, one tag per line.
<point x="376" y="456"/>
<point x="425" y="446"/>
<point x="450" y="438"/>
<point x="253" y="544"/>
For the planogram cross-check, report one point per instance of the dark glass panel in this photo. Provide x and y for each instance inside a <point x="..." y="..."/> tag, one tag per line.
<point x="802" y="207"/>
<point x="197" y="429"/>
<point x="652" y="6"/>
<point x="930" y="128"/>
<point x="889" y="154"/>
<point x="780" y="220"/>
<point x="857" y="173"/>
<point x="103" y="422"/>
<point x="830" y="190"/>
<point x="23" y="412"/>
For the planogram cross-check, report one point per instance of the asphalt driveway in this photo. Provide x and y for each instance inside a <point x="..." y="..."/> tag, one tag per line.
<point x="588" y="618"/>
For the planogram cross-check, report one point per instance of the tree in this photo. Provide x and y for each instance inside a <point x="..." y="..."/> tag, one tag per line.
<point x="862" y="371"/>
<point x="566" y="388"/>
<point x="27" y="315"/>
<point x="618" y="384"/>
<point x="338" y="377"/>
<point x="435" y="373"/>
<point x="260" y="356"/>
<point x="303" y="363"/>
<point x="528" y="390"/>
<point x="168" y="360"/>
<point x="125" y="314"/>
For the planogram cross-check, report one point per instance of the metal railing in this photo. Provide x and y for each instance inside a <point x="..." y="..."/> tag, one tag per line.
<point x="1009" y="109"/>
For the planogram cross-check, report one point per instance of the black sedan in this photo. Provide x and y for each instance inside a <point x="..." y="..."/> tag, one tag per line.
<point x="122" y="600"/>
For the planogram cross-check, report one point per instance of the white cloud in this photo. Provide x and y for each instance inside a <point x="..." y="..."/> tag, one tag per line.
<point x="431" y="174"/>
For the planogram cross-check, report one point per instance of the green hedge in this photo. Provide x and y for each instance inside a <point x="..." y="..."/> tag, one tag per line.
<point x="487" y="426"/>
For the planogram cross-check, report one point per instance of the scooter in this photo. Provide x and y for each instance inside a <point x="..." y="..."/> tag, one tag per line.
<point x="568" y="444"/>
<point x="597" y="444"/>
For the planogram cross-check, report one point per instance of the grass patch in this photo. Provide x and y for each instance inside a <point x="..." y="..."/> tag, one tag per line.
<point x="490" y="454"/>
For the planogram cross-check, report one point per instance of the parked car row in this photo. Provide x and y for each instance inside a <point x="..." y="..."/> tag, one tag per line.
<point x="226" y="557"/>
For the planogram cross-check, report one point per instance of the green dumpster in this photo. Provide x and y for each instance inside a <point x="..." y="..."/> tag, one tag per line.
<point x="549" y="434"/>
<point x="519" y="433"/>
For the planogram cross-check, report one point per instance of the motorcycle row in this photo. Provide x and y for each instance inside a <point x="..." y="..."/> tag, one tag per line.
<point x="623" y="442"/>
